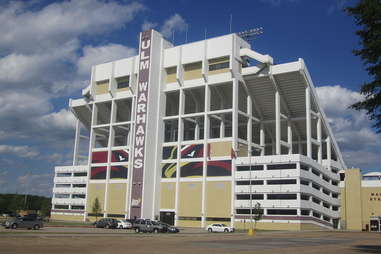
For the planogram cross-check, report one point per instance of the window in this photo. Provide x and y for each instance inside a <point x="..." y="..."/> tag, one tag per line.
<point x="282" y="181"/>
<point x="78" y="196"/>
<point x="304" y="197"/>
<point x="335" y="195"/>
<point x="304" y="182"/>
<point x="247" y="168"/>
<point x="62" y="195"/>
<point x="315" y="214"/>
<point x="243" y="197"/>
<point x="219" y="63"/>
<point x="123" y="82"/>
<point x="335" y="183"/>
<point x="335" y="208"/>
<point x="243" y="211"/>
<point x="304" y="167"/>
<point x="253" y="182"/>
<point x="80" y="174"/>
<point x="305" y="212"/>
<point x="61" y="207"/>
<point x="79" y="185"/>
<point x="257" y="196"/>
<point x="315" y="186"/>
<point x="63" y="174"/>
<point x="58" y="185"/>
<point x="281" y="212"/>
<point x="77" y="207"/>
<point x="326" y="192"/>
<point x="315" y="200"/>
<point x="171" y="74"/>
<point x="190" y="218"/>
<point x="325" y="178"/>
<point x="326" y="205"/>
<point x="281" y="196"/>
<point x="281" y="166"/>
<point x="315" y="172"/>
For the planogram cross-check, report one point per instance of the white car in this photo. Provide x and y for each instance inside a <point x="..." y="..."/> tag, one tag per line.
<point x="124" y="224"/>
<point x="219" y="228"/>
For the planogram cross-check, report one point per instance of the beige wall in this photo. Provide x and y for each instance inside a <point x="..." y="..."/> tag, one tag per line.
<point x="218" y="199"/>
<point x="269" y="226"/>
<point x="243" y="150"/>
<point x="116" y="200"/>
<point x="192" y="71"/>
<point x="167" y="195"/>
<point x="101" y="87"/>
<point x="171" y="75"/>
<point x="351" y="207"/>
<point x="190" y="199"/>
<point x="189" y="223"/>
<point x="66" y="217"/>
<point x="95" y="190"/>
<point x="220" y="149"/>
<point x="371" y="205"/>
<point x="218" y="60"/>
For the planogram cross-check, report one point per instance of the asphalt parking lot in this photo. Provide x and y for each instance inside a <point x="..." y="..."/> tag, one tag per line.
<point x="90" y="240"/>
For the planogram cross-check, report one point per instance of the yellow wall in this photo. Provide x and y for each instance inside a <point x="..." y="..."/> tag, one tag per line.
<point x="95" y="190"/>
<point x="167" y="195"/>
<point x="192" y="71"/>
<point x="220" y="149"/>
<point x="171" y="75"/>
<point x="101" y="87"/>
<point x="190" y="199"/>
<point x="189" y="223"/>
<point x="370" y="207"/>
<point x="66" y="217"/>
<point x="218" y="60"/>
<point x="116" y="200"/>
<point x="243" y="150"/>
<point x="218" y="199"/>
<point x="269" y="226"/>
<point x="352" y="214"/>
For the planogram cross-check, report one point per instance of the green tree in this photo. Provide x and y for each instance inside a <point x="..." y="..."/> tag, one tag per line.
<point x="367" y="14"/>
<point x="96" y="208"/>
<point x="257" y="213"/>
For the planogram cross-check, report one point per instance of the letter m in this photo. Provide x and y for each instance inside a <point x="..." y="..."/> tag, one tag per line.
<point x="144" y="65"/>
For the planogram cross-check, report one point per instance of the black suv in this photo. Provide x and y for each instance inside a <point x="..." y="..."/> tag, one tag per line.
<point x="106" y="223"/>
<point x="149" y="226"/>
<point x="28" y="222"/>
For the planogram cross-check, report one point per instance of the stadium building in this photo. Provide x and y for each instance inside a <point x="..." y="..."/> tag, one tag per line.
<point x="199" y="133"/>
<point x="360" y="200"/>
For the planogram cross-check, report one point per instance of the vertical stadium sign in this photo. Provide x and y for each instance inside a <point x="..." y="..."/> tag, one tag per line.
<point x="140" y="124"/>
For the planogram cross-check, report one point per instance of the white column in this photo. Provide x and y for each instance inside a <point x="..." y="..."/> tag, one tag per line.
<point x="222" y="128"/>
<point x="109" y="148"/>
<point x="249" y="124"/>
<point x="318" y="127"/>
<point x="277" y="123"/>
<point x="197" y="131"/>
<point x="289" y="137"/>
<point x="308" y="122"/>
<point x="204" y="200"/>
<point x="234" y="145"/>
<point x="76" y="142"/>
<point x="179" y="137"/>
<point x="262" y="139"/>
<point x="329" y="154"/>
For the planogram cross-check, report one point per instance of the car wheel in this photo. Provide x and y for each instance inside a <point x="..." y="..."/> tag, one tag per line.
<point x="137" y="230"/>
<point x="107" y="226"/>
<point x="210" y="230"/>
<point x="226" y="230"/>
<point x="14" y="226"/>
<point x="156" y="230"/>
<point x="36" y="227"/>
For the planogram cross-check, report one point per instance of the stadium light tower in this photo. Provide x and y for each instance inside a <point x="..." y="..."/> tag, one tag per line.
<point x="251" y="34"/>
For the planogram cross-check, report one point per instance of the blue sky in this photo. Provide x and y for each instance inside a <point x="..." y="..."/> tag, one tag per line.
<point x="47" y="48"/>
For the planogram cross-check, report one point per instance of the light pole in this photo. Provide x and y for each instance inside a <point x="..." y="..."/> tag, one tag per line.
<point x="251" y="231"/>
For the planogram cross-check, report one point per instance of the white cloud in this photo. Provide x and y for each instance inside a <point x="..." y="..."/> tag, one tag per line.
<point x="102" y="54"/>
<point x="39" y="184"/>
<point x="359" y="143"/>
<point x="148" y="25"/>
<point x="59" y="22"/>
<point x="174" y="23"/>
<point x="62" y="119"/>
<point x="19" y="151"/>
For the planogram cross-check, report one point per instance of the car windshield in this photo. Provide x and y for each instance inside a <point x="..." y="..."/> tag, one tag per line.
<point x="223" y="225"/>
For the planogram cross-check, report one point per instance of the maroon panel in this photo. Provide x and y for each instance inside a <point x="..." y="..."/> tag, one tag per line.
<point x="119" y="156"/>
<point x="140" y="124"/>
<point x="99" y="157"/>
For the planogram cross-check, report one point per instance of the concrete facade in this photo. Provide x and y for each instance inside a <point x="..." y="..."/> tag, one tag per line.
<point x="201" y="132"/>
